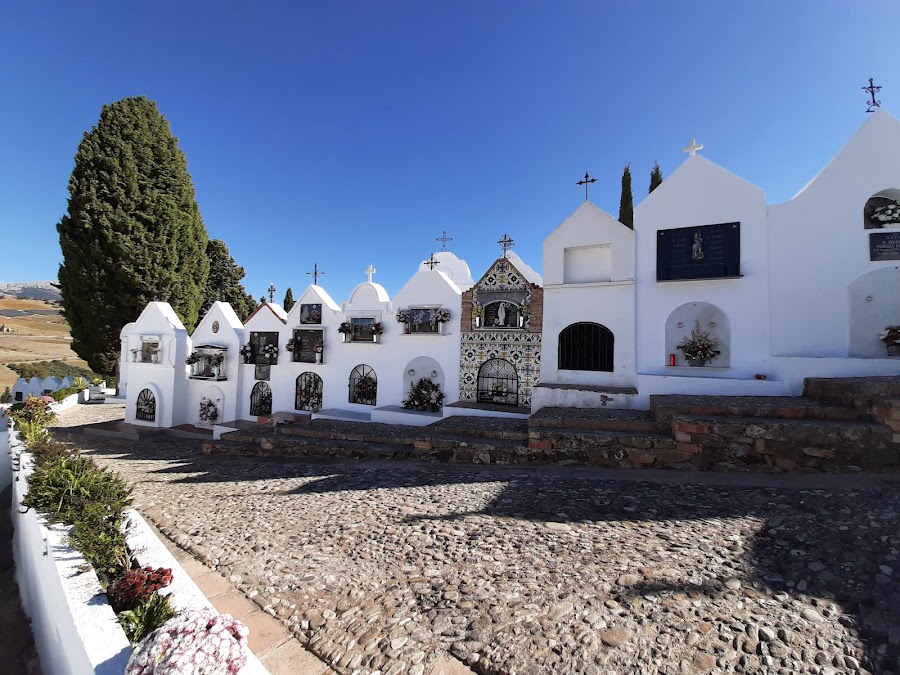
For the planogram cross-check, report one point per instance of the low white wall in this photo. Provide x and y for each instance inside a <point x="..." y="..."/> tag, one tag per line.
<point x="68" y="402"/>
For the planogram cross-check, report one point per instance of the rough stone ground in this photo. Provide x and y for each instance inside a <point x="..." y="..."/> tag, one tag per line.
<point x="523" y="571"/>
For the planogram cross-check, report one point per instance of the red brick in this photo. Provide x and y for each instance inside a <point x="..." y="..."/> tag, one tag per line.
<point x="540" y="445"/>
<point x="690" y="428"/>
<point x="206" y="447"/>
<point x="424" y="445"/>
<point x="690" y="448"/>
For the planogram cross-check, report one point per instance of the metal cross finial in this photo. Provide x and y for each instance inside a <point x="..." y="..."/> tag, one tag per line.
<point x="444" y="239"/>
<point x="506" y="243"/>
<point x="692" y="148"/>
<point x="271" y="292"/>
<point x="316" y="273"/>
<point x="587" y="180"/>
<point x="431" y="262"/>
<point x="871" y="90"/>
<point x="369" y="272"/>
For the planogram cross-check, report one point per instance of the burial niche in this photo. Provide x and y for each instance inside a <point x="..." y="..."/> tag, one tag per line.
<point x="308" y="392"/>
<point x="363" y="385"/>
<point x="586" y="346"/>
<point x="874" y="305"/>
<point x="882" y="210"/>
<point x="708" y="319"/>
<point x="145" y="407"/>
<point x="498" y="382"/>
<point x="261" y="399"/>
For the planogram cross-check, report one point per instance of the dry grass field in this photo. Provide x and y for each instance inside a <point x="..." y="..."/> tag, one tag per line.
<point x="34" y="337"/>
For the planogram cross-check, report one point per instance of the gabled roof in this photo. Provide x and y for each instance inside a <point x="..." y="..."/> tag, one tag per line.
<point x="160" y="310"/>
<point x="319" y="293"/>
<point x="516" y="263"/>
<point x="277" y="310"/>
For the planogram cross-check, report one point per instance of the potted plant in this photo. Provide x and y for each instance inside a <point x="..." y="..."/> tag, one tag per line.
<point x="477" y="313"/>
<point x="377" y="329"/>
<point x="345" y="329"/>
<point x="891" y="339"/>
<point x="216" y="361"/>
<point x="404" y="316"/>
<point x="247" y="353"/>
<point x="700" y="347"/>
<point x="317" y="350"/>
<point x="424" y="395"/>
<point x="134" y="353"/>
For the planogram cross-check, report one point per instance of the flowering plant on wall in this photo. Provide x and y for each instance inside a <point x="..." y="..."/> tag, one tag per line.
<point x="193" y="358"/>
<point x="270" y="351"/>
<point x="440" y="315"/>
<point x="199" y="641"/>
<point x="403" y="315"/>
<point x="247" y="353"/>
<point x="377" y="328"/>
<point x="424" y="395"/>
<point x="477" y="309"/>
<point x="345" y="328"/>
<point x="700" y="346"/>
<point x="208" y="410"/>
<point x="216" y="360"/>
<point x="289" y="345"/>
<point x="890" y="335"/>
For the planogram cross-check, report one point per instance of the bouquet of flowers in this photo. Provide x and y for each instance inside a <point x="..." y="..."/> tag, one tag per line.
<point x="700" y="345"/>
<point x="270" y="351"/>
<point x="247" y="353"/>
<point x="193" y="358"/>
<point x="424" y="395"/>
<point x="890" y="335"/>
<point x="208" y="410"/>
<point x="377" y="328"/>
<point x="289" y="345"/>
<point x="403" y="316"/>
<point x="216" y="360"/>
<point x="440" y="315"/>
<point x="345" y="328"/>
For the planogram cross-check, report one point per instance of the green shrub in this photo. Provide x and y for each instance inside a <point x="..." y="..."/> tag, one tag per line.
<point x="140" y="622"/>
<point x="63" y="489"/>
<point x="45" y="449"/>
<point x="32" y="432"/>
<point x="32" y="409"/>
<point x="80" y="383"/>
<point x="99" y="537"/>
<point x="6" y="396"/>
<point x="60" y="394"/>
<point x="45" y="369"/>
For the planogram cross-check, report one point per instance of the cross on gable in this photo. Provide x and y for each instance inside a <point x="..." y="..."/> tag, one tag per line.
<point x="587" y="181"/>
<point x="271" y="292"/>
<point x="369" y="272"/>
<point x="692" y="148"/>
<point x="316" y="273"/>
<point x="444" y="239"/>
<point x="431" y="262"/>
<point x="506" y="243"/>
<point x="871" y="90"/>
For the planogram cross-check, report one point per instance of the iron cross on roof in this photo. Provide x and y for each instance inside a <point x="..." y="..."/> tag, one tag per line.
<point x="871" y="90"/>
<point x="431" y="262"/>
<point x="271" y="292"/>
<point x="444" y="239"/>
<point x="587" y="181"/>
<point x="316" y="273"/>
<point x="506" y="243"/>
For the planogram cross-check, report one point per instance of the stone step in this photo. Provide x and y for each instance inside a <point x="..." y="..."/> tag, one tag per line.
<point x="505" y="428"/>
<point x="664" y="408"/>
<point x="597" y="419"/>
<point x="837" y="445"/>
<point x="857" y="392"/>
<point x="279" y="445"/>
<point x="583" y="438"/>
<point x="371" y="432"/>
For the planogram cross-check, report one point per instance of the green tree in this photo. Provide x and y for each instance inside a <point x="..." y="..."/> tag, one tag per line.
<point x="656" y="177"/>
<point x="288" y="300"/>
<point x="133" y="231"/>
<point x="6" y="396"/>
<point x="224" y="281"/>
<point x="626" y="202"/>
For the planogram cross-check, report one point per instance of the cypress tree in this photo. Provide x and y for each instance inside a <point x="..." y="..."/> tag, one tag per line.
<point x="133" y="231"/>
<point x="224" y="282"/>
<point x="288" y="300"/>
<point x="626" y="202"/>
<point x="656" y="177"/>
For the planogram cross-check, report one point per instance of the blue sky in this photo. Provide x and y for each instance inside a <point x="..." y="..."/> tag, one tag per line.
<point x="352" y="133"/>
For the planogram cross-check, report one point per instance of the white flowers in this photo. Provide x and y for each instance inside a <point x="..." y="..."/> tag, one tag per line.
<point x="889" y="213"/>
<point x="194" y="643"/>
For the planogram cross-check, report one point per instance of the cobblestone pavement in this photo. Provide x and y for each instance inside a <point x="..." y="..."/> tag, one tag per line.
<point x="521" y="571"/>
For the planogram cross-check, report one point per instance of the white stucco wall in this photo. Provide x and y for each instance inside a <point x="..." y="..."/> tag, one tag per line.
<point x="701" y="193"/>
<point x="818" y="246"/>
<point x="224" y="393"/>
<point x="265" y="320"/>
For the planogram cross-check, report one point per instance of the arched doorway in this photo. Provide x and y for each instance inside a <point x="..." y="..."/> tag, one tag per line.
<point x="308" y="392"/>
<point x="145" y="408"/>
<point x="261" y="399"/>
<point x="586" y="346"/>
<point x="363" y="385"/>
<point x="498" y="382"/>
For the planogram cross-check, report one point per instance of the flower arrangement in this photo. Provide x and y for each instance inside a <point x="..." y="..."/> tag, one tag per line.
<point x="440" y="315"/>
<point x="890" y="335"/>
<point x="208" y="410"/>
<point x="424" y="395"/>
<point x="247" y="353"/>
<point x="345" y="328"/>
<point x="135" y="587"/>
<point x="193" y="358"/>
<point x="404" y="315"/>
<point x="377" y="328"/>
<point x="888" y="213"/>
<point x="289" y="345"/>
<point x="309" y="398"/>
<point x="700" y="346"/>
<point x="270" y="351"/>
<point x="477" y="310"/>
<point x="200" y="641"/>
<point x="216" y="360"/>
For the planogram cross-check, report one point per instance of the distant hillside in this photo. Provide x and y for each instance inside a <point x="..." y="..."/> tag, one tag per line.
<point x="36" y="290"/>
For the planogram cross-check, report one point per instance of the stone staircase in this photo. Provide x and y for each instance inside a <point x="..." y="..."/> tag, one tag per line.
<point x="838" y="425"/>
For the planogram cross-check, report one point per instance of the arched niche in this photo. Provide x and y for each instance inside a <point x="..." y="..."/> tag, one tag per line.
<point x="684" y="319"/>
<point x="210" y="406"/>
<point x="363" y="385"/>
<point x="419" y="367"/>
<point x="148" y="396"/>
<point x="882" y="210"/>
<point x="874" y="305"/>
<point x="308" y="392"/>
<point x="586" y="346"/>
<point x="261" y="399"/>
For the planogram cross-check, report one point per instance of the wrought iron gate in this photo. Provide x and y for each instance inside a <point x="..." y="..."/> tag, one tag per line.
<point x="586" y="346"/>
<point x="145" y="409"/>
<point x="261" y="399"/>
<point x="308" y="393"/>
<point x="363" y="385"/>
<point x="498" y="382"/>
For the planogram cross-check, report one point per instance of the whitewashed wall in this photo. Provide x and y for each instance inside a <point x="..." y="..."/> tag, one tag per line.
<point x="224" y="393"/>
<point x="267" y="319"/>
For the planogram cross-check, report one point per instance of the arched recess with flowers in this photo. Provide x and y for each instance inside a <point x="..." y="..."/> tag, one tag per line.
<point x="308" y="392"/>
<point x="363" y="385"/>
<point x="706" y="318"/>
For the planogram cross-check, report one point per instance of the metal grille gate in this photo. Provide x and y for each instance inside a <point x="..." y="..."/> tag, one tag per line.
<point x="308" y="395"/>
<point x="498" y="382"/>
<point x="363" y="385"/>
<point x="261" y="399"/>
<point x="586" y="346"/>
<point x="145" y="409"/>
